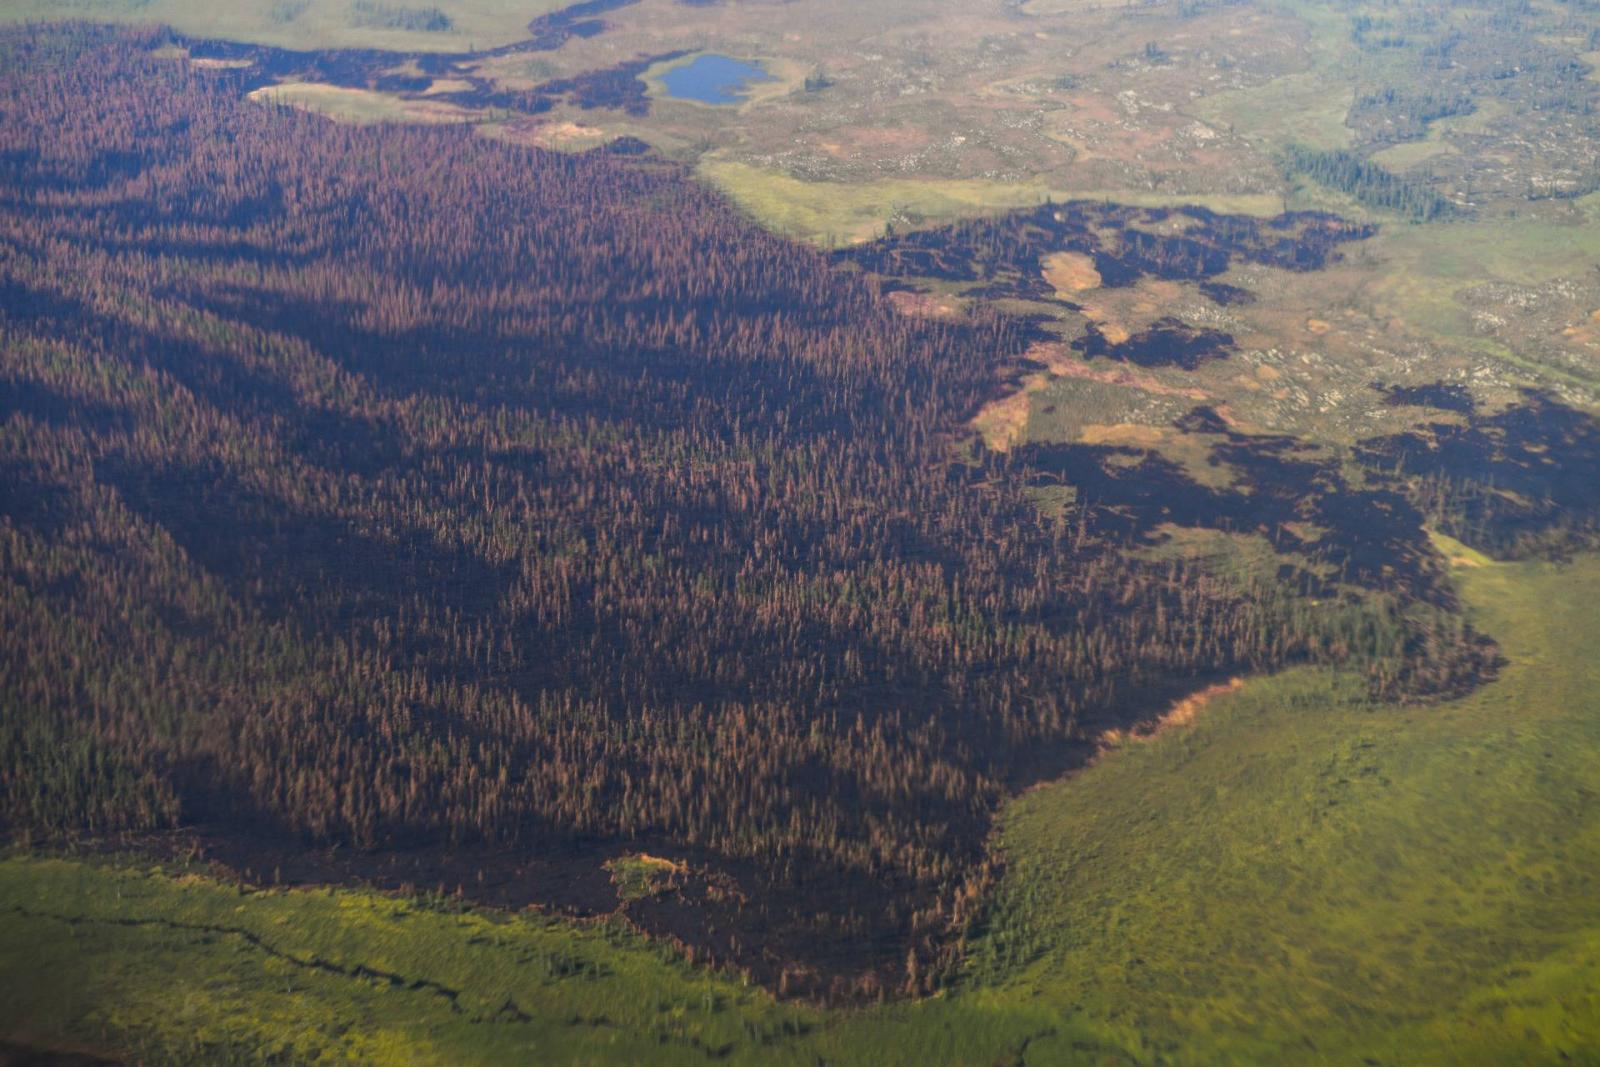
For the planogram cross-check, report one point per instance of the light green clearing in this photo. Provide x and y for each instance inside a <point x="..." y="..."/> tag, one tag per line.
<point x="1299" y="108"/>
<point x="305" y="24"/>
<point x="1425" y="272"/>
<point x="1301" y="876"/>
<point x="1307" y="108"/>
<point x="358" y="105"/>
<point x="1409" y="154"/>
<point x="1297" y="877"/>
<point x="837" y="213"/>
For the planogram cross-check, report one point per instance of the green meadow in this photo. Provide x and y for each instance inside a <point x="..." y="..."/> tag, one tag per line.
<point x="839" y="213"/>
<point x="1297" y="876"/>
<point x="462" y="25"/>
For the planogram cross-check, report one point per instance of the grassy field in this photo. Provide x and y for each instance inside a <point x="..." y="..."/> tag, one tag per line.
<point x="1296" y="877"/>
<point x="308" y="24"/>
<point x="1300" y="876"/>
<point x="183" y="968"/>
<point x="359" y="105"/>
<point x="837" y="213"/>
<point x="1434" y="278"/>
<point x="1299" y="108"/>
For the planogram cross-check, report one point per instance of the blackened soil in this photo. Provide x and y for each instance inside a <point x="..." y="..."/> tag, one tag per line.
<point x="1288" y="491"/>
<point x="550" y="32"/>
<point x="1168" y="343"/>
<point x="1227" y="295"/>
<point x="1441" y="396"/>
<point x="1004" y="256"/>
<point x="618" y="87"/>
<point x="1523" y="482"/>
<point x="812" y="932"/>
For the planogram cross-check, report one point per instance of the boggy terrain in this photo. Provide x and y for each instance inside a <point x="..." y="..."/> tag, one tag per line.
<point x="436" y="500"/>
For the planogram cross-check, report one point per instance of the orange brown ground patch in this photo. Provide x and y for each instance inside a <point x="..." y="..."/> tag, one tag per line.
<point x="561" y="134"/>
<point x="1181" y="714"/>
<point x="1071" y="272"/>
<point x="1002" y="422"/>
<point x="923" y="305"/>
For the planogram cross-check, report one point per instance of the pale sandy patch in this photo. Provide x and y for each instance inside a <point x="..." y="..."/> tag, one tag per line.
<point x="359" y="105"/>
<point x="1070" y="272"/>
<point x="1099" y="314"/>
<point x="1122" y="434"/>
<point x="1002" y="421"/>
<point x="1127" y="378"/>
<point x="556" y="135"/>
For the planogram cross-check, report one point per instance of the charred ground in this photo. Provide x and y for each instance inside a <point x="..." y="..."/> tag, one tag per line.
<point x="1007" y="255"/>
<point x="409" y="75"/>
<point x="1516" y="483"/>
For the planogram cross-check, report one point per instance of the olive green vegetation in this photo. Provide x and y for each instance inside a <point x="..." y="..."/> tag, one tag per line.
<point x="1295" y="109"/>
<point x="1427" y="274"/>
<point x="180" y="968"/>
<point x="838" y="213"/>
<point x="1301" y="875"/>
<point x="402" y="25"/>
<point x="1298" y="876"/>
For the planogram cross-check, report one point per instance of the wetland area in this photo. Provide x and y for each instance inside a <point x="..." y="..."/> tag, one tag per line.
<point x="712" y="79"/>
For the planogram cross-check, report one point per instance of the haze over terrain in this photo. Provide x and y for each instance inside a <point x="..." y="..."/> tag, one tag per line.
<point x="660" y="531"/>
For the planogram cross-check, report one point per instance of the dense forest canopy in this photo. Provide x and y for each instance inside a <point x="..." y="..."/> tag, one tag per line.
<point x="400" y="488"/>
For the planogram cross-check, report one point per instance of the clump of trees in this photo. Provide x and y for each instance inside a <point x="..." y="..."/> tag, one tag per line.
<point x="392" y="17"/>
<point x="1391" y="114"/>
<point x="1367" y="183"/>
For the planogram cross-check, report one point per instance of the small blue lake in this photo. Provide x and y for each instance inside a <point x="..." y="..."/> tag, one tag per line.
<point x="713" y="79"/>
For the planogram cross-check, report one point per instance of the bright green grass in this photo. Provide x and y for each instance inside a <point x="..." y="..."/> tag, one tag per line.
<point x="189" y="977"/>
<point x="1298" y="877"/>
<point x="304" y="23"/>
<point x="1301" y="876"/>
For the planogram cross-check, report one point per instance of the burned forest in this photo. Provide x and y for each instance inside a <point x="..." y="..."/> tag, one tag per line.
<point x="431" y="496"/>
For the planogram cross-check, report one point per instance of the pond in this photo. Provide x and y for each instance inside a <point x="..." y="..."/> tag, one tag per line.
<point x="713" y="79"/>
